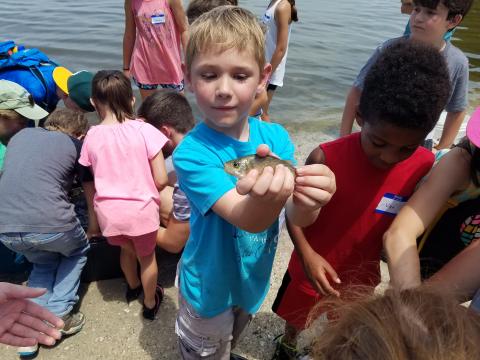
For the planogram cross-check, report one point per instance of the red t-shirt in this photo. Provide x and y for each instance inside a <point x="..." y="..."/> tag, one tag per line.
<point x="349" y="229"/>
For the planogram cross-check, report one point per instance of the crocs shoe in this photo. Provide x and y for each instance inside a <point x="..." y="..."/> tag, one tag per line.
<point x="27" y="351"/>
<point x="149" y="314"/>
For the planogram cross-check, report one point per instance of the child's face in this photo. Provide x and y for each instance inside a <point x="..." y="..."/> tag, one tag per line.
<point x="386" y="145"/>
<point x="9" y="127"/>
<point x="225" y="84"/>
<point x="430" y="25"/>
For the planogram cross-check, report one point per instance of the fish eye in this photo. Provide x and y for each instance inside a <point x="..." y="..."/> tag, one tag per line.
<point x="236" y="164"/>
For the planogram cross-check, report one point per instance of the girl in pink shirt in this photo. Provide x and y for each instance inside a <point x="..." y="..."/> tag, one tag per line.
<point x="129" y="170"/>
<point x="154" y="30"/>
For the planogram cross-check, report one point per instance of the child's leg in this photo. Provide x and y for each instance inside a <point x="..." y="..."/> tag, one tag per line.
<point x="128" y="263"/>
<point x="149" y="275"/>
<point x="204" y="338"/>
<point x="73" y="247"/>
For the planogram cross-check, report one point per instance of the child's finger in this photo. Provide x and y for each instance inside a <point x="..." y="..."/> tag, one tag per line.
<point x="332" y="273"/>
<point x="315" y="169"/>
<point x="262" y="185"/>
<point x="310" y="197"/>
<point x="319" y="182"/>
<point x="245" y="184"/>
<point x="326" y="286"/>
<point x="12" y="291"/>
<point x="263" y="150"/>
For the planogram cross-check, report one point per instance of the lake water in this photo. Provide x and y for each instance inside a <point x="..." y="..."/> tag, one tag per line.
<point x="328" y="46"/>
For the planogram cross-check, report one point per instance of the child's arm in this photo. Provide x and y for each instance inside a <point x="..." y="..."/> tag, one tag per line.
<point x="93" y="228"/>
<point x="174" y="236"/>
<point x="128" y="37"/>
<point x="159" y="173"/>
<point x="350" y="111"/>
<point x="449" y="175"/>
<point x="315" y="266"/>
<point x="453" y="121"/>
<point x="282" y="18"/>
<point x="180" y="21"/>
<point x="460" y="276"/>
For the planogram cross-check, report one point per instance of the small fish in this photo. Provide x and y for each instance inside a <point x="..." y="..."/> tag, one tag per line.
<point x="241" y="166"/>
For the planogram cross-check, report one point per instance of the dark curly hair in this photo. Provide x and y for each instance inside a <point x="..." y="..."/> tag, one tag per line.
<point x="407" y="86"/>
<point x="455" y="7"/>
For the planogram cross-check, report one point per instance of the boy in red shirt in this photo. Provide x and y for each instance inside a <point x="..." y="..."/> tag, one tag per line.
<point x="376" y="170"/>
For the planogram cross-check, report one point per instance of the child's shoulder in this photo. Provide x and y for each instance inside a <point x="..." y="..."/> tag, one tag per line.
<point x="453" y="55"/>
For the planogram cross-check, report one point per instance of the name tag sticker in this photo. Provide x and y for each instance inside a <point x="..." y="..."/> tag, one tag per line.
<point x="158" y="18"/>
<point x="391" y="204"/>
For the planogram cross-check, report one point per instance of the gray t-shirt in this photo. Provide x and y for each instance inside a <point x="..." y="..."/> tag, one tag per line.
<point x="38" y="172"/>
<point x="457" y="64"/>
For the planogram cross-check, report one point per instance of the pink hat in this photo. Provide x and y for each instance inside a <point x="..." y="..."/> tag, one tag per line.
<point x="473" y="128"/>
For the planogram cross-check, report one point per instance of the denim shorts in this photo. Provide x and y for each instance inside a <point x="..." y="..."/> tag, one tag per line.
<point x="175" y="87"/>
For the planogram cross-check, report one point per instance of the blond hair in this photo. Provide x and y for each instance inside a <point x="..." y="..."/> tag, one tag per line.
<point x="223" y="28"/>
<point x="70" y="122"/>
<point x="411" y="324"/>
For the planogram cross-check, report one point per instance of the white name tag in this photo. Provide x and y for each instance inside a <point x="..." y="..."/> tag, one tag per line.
<point x="158" y="19"/>
<point x="391" y="204"/>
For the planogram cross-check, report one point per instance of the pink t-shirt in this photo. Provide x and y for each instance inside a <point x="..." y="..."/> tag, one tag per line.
<point x="156" y="57"/>
<point x="126" y="200"/>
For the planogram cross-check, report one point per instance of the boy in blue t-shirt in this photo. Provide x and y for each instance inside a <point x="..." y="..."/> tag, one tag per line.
<point x="429" y="21"/>
<point x="227" y="261"/>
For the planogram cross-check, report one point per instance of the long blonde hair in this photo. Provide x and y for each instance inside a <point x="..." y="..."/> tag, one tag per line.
<point x="410" y="324"/>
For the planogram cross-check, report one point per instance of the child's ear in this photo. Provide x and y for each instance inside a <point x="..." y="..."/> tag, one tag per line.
<point x="453" y="23"/>
<point x="264" y="77"/>
<point x="166" y="131"/>
<point x="186" y="76"/>
<point x="358" y="117"/>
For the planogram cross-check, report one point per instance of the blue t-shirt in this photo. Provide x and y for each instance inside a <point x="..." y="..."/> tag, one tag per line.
<point x="457" y="64"/>
<point x="222" y="265"/>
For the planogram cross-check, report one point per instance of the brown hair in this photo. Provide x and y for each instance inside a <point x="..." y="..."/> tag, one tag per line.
<point x="411" y="324"/>
<point x="198" y="7"/>
<point x="167" y="107"/>
<point x="455" y="7"/>
<point x="111" y="88"/>
<point x="224" y="28"/>
<point x="70" y="122"/>
<point x="293" y="14"/>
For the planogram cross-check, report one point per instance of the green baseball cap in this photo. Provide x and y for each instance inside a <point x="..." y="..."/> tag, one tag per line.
<point x="80" y="89"/>
<point x="15" y="97"/>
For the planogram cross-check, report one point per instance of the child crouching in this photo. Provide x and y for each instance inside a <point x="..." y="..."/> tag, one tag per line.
<point x="36" y="218"/>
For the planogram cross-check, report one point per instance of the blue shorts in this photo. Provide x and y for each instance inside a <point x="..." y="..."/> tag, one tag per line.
<point x="175" y="87"/>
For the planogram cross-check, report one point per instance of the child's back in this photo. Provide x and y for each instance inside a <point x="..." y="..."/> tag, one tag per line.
<point x="119" y="156"/>
<point x="39" y="170"/>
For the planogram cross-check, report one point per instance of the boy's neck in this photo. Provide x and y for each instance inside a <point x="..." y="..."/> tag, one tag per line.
<point x="239" y="131"/>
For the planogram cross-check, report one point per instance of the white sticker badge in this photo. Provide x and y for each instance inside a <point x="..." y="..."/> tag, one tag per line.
<point x="391" y="204"/>
<point x="158" y="18"/>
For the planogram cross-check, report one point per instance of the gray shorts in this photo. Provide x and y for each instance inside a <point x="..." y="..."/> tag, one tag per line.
<point x="208" y="338"/>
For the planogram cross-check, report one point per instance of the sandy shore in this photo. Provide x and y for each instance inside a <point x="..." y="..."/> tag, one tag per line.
<point x="115" y="330"/>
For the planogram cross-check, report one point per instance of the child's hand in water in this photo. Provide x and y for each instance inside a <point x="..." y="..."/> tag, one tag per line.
<point x="272" y="184"/>
<point x="318" y="271"/>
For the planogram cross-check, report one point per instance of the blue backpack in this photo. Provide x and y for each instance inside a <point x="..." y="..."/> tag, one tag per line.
<point x="31" y="69"/>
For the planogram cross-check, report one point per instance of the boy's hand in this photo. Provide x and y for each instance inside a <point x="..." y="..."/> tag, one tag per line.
<point x="316" y="268"/>
<point x="272" y="184"/>
<point x="314" y="186"/>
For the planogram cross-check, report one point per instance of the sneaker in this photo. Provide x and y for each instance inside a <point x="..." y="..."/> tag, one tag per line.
<point x="149" y="314"/>
<point x="133" y="294"/>
<point x="73" y="323"/>
<point x="27" y="351"/>
<point x="284" y="351"/>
